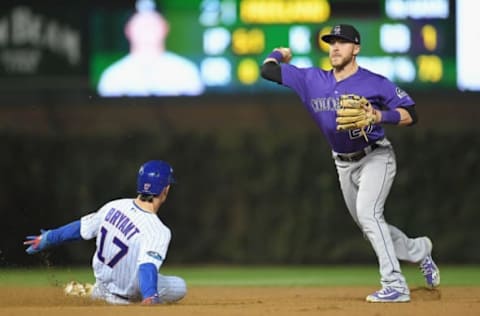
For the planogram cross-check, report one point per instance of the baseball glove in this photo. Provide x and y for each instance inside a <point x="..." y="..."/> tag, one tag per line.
<point x="355" y="112"/>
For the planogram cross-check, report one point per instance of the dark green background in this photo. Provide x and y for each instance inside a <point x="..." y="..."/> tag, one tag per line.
<point x="256" y="183"/>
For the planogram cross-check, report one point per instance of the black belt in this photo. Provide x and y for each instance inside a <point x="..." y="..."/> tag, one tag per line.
<point x="356" y="156"/>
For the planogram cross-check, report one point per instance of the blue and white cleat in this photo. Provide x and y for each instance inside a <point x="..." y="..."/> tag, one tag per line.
<point x="430" y="270"/>
<point x="388" y="295"/>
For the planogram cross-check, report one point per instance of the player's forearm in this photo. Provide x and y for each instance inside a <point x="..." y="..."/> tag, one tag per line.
<point x="68" y="232"/>
<point x="405" y="118"/>
<point x="398" y="116"/>
<point x="148" y="280"/>
<point x="271" y="71"/>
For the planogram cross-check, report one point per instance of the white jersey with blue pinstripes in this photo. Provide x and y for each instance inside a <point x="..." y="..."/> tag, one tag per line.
<point x="127" y="236"/>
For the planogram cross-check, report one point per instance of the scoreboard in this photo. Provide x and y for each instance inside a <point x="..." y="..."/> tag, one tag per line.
<point x="422" y="45"/>
<point x="411" y="42"/>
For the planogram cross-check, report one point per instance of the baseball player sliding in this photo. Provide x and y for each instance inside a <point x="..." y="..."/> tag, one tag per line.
<point x="131" y="242"/>
<point x="350" y="104"/>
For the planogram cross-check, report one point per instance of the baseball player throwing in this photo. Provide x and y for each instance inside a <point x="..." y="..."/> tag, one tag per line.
<point x="131" y="243"/>
<point x="350" y="104"/>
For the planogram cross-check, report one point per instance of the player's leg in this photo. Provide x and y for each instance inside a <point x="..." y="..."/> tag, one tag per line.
<point x="347" y="172"/>
<point x="350" y="177"/>
<point x="100" y="292"/>
<point x="417" y="250"/>
<point x="171" y="288"/>
<point x="409" y="249"/>
<point x="377" y="175"/>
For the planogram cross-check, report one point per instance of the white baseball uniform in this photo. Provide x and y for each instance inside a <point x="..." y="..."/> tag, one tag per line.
<point x="128" y="236"/>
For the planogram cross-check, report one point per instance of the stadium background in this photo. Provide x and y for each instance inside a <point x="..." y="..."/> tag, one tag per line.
<point x="256" y="182"/>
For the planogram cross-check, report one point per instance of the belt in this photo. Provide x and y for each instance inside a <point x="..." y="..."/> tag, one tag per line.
<point x="356" y="156"/>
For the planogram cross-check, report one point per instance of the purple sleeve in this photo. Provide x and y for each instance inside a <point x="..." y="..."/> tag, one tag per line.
<point x="294" y="78"/>
<point x="394" y="96"/>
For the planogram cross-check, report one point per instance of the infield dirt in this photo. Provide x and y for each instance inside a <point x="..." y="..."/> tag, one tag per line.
<point x="279" y="301"/>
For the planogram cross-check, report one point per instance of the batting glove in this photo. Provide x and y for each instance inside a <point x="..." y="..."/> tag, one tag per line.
<point x="37" y="243"/>
<point x="152" y="300"/>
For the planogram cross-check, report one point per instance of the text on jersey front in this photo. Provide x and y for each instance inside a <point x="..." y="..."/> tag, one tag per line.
<point x="324" y="104"/>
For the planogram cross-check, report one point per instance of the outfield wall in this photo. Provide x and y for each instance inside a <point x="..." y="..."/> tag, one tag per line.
<point x="256" y="181"/>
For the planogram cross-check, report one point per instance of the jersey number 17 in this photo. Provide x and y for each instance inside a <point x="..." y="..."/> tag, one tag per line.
<point x="122" y="249"/>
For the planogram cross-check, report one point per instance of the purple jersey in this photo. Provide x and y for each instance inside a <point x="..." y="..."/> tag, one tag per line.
<point x="320" y="93"/>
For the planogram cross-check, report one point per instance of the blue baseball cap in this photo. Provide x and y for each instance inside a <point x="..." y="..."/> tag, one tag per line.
<point x="154" y="176"/>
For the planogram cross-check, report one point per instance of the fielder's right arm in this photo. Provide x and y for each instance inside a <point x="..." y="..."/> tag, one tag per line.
<point x="271" y="69"/>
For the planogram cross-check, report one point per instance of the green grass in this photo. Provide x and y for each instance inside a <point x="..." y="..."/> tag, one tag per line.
<point x="252" y="275"/>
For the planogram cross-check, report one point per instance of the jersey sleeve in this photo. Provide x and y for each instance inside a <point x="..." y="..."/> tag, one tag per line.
<point x="90" y="224"/>
<point x="153" y="249"/>
<point x="394" y="96"/>
<point x="294" y="78"/>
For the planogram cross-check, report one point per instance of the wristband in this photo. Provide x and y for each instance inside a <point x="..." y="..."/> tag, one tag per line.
<point x="278" y="56"/>
<point x="390" y="117"/>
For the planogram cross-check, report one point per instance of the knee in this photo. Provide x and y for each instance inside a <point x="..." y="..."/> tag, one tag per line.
<point x="367" y="220"/>
<point x="176" y="289"/>
<point x="181" y="287"/>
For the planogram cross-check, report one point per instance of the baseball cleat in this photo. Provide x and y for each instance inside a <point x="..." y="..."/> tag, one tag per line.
<point x="388" y="295"/>
<point x="430" y="271"/>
